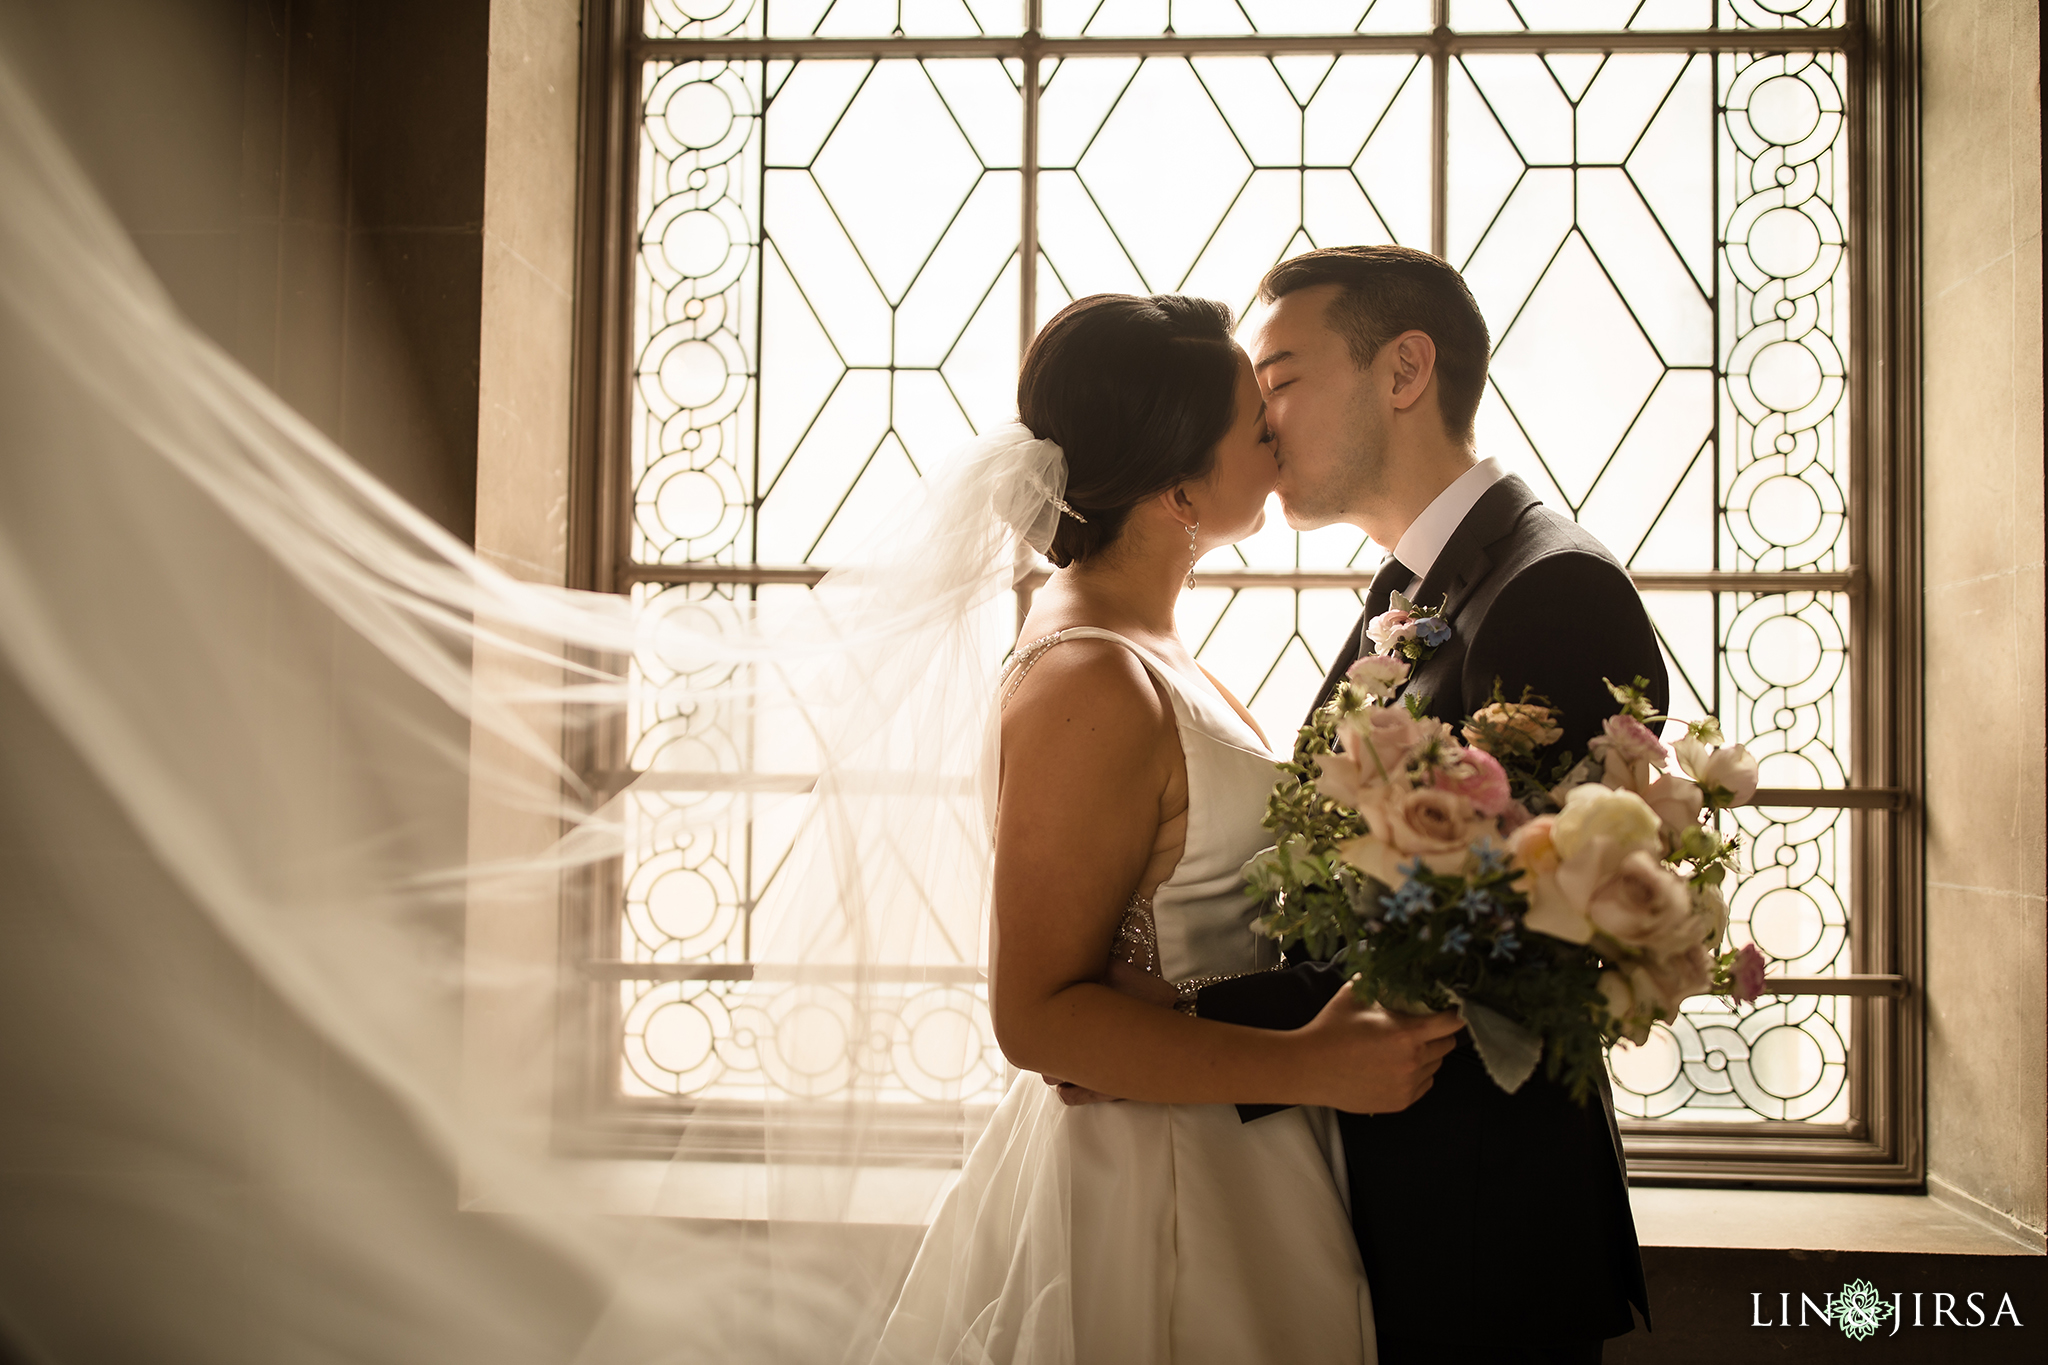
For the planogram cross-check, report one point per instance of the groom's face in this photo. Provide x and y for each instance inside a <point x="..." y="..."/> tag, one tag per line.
<point x="1326" y="414"/>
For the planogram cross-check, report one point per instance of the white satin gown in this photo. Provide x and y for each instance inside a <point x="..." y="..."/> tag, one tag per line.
<point x="1152" y="1234"/>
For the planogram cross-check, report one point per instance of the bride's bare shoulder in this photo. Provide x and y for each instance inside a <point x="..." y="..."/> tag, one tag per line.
<point x="1087" y="695"/>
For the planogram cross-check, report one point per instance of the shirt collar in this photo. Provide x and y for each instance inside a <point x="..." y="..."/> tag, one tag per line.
<point x="1427" y="535"/>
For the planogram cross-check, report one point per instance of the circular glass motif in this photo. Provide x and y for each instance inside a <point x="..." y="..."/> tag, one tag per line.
<point x="1785" y="651"/>
<point x="682" y="903"/>
<point x="1785" y="375"/>
<point x="678" y="1038"/>
<point x="1785" y="1061"/>
<point x="693" y="374"/>
<point x="1785" y="510"/>
<point x="1786" y="924"/>
<point x="1783" y="110"/>
<point x="696" y="243"/>
<point x="691" y="504"/>
<point x="1648" y="1069"/>
<point x="699" y="115"/>
<point x="1781" y="241"/>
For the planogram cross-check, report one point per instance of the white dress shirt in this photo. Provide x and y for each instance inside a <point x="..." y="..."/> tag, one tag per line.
<point x="1427" y="535"/>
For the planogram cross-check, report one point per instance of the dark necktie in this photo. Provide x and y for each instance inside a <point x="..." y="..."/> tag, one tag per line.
<point x="1393" y="577"/>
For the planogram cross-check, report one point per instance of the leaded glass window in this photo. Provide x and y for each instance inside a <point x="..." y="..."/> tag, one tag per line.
<point x="835" y="223"/>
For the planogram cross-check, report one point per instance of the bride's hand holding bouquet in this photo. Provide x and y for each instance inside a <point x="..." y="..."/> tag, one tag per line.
<point x="1557" y="911"/>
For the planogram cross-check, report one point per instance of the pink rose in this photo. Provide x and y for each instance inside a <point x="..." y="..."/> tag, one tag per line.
<point x="1390" y="628"/>
<point x="1749" y="974"/>
<point x="1632" y="740"/>
<point x="1439" y="827"/>
<point x="1374" y="746"/>
<point x="1642" y="905"/>
<point x="1628" y="754"/>
<point x="1478" y="777"/>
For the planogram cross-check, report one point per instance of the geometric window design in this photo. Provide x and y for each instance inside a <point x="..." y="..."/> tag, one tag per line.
<point x="844" y="218"/>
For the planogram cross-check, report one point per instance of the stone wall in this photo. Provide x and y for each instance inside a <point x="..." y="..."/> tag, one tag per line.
<point x="1987" y="952"/>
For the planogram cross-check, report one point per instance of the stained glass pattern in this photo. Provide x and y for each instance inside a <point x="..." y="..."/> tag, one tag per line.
<point x="1230" y="18"/>
<point x="1779" y="680"/>
<point x="823" y="305"/>
<point x="1171" y="175"/>
<point x="1593" y="16"/>
<point x="827" y="297"/>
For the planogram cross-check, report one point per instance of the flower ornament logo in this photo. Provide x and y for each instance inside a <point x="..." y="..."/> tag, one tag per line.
<point x="1859" y="1311"/>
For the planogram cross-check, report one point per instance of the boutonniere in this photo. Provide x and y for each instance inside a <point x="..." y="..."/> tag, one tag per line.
<point x="1413" y="632"/>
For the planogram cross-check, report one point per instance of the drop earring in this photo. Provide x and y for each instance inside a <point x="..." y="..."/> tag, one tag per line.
<point x="1192" y="554"/>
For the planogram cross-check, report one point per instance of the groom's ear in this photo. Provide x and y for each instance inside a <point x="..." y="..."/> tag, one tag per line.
<point x="1411" y="358"/>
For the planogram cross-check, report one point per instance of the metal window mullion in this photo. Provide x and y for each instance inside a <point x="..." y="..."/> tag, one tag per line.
<point x="1439" y="127"/>
<point x="1254" y="45"/>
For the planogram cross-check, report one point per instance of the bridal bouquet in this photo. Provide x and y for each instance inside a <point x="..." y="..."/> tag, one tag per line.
<point x="1559" y="911"/>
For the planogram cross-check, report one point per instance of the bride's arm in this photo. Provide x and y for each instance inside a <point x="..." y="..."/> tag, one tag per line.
<point x="1089" y="748"/>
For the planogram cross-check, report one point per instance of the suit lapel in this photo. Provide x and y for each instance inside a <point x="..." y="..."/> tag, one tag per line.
<point x="1377" y="598"/>
<point x="1461" y="567"/>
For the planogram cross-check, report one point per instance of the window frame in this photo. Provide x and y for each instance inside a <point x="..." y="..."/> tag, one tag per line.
<point x="1882" y="1143"/>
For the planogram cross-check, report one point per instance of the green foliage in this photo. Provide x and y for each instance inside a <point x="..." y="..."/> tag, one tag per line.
<point x="1437" y="936"/>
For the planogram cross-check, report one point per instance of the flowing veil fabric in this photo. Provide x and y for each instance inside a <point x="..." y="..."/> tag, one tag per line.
<point x="248" y="694"/>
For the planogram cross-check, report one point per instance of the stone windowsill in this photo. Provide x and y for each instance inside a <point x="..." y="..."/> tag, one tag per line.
<point x="1802" y="1220"/>
<point x="1764" y="1220"/>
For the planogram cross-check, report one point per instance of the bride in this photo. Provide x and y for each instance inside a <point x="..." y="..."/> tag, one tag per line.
<point x="1130" y="788"/>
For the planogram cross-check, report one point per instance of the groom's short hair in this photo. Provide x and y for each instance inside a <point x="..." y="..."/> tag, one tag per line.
<point x="1383" y="291"/>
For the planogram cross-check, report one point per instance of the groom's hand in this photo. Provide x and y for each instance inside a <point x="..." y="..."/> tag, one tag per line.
<point x="1126" y="980"/>
<point x="1372" y="1061"/>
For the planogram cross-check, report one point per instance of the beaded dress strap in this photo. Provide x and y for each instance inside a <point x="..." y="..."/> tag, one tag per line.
<point x="1022" y="661"/>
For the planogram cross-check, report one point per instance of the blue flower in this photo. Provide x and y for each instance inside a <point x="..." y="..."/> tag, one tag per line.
<point x="1432" y="631"/>
<point x="1506" y="945"/>
<point x="1412" y="897"/>
<point x="1477" y="904"/>
<point x="1492" y="857"/>
<point x="1456" y="940"/>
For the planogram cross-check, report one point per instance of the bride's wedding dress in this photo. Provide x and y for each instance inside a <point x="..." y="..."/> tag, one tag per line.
<point x="1135" y="1233"/>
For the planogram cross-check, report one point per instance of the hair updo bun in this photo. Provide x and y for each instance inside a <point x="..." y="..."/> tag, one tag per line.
<point x="1137" y="392"/>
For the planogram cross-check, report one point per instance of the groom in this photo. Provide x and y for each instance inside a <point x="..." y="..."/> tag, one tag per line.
<point x="1493" y="1227"/>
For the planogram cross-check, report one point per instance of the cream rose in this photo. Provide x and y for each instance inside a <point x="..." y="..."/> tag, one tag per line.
<point x="1729" y="768"/>
<point x="1642" y="905"/>
<point x="1677" y="802"/>
<point x="1595" y="812"/>
<point x="1711" y="910"/>
<point x="1534" y="849"/>
<point x="1623" y="1007"/>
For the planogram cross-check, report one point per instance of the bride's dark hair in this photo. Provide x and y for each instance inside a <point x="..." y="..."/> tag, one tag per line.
<point x="1137" y="392"/>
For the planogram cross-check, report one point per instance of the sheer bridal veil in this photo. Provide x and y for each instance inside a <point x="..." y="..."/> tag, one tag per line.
<point x="282" y="757"/>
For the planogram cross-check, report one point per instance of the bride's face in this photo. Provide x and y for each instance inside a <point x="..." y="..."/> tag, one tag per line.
<point x="1231" y="501"/>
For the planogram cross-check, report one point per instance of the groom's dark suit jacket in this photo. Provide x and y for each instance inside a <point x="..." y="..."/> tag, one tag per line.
<point x="1487" y="1219"/>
